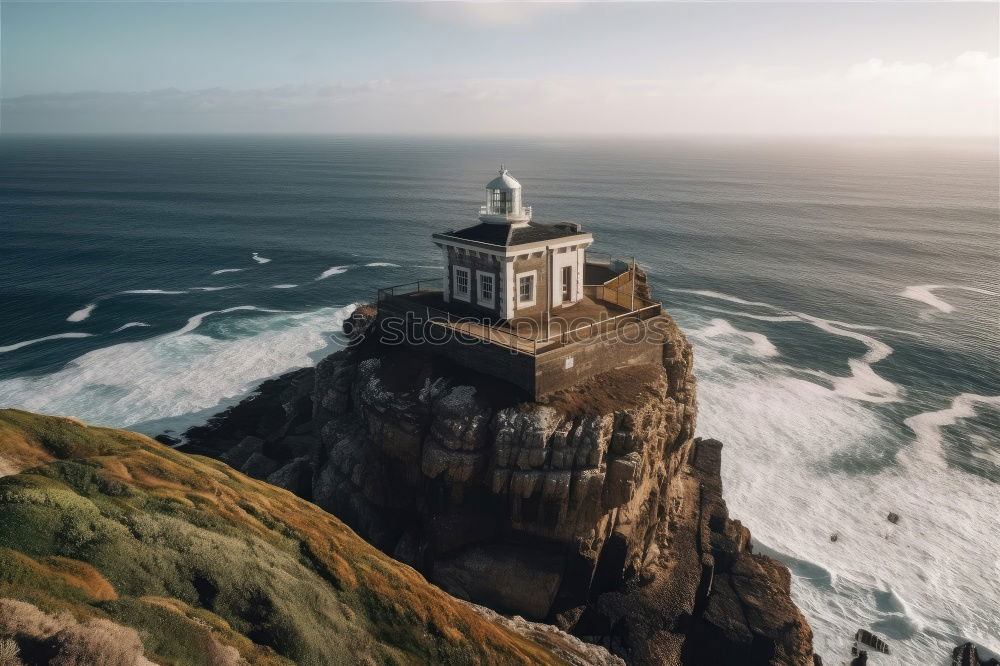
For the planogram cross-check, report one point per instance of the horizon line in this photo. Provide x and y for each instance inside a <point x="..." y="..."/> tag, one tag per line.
<point x="504" y="135"/>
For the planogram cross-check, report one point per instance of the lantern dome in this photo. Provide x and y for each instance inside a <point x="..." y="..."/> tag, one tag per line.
<point x="503" y="201"/>
<point x="504" y="181"/>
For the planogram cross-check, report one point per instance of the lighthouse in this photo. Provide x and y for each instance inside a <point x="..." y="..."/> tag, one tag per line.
<point x="522" y="302"/>
<point x="509" y="266"/>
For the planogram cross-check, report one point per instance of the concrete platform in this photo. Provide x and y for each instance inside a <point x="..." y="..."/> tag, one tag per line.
<point x="529" y="334"/>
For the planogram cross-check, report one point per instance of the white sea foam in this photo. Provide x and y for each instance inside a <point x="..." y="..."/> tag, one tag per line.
<point x="131" y="324"/>
<point x="382" y="264"/>
<point x="259" y="259"/>
<point x="760" y="345"/>
<point x="801" y="464"/>
<point x="152" y="291"/>
<point x="796" y="317"/>
<point x="196" y="321"/>
<point x="927" y="447"/>
<point x="229" y="286"/>
<point x="724" y="297"/>
<point x="863" y="383"/>
<point x="57" y="336"/>
<point x="335" y="270"/>
<point x="177" y="373"/>
<point x="925" y="294"/>
<point x="227" y="270"/>
<point x="284" y="286"/>
<point x="82" y="313"/>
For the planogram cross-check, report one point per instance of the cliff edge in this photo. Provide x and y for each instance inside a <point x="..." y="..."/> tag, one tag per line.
<point x="594" y="509"/>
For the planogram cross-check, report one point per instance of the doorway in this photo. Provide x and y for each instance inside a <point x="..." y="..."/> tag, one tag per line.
<point x="567" y="280"/>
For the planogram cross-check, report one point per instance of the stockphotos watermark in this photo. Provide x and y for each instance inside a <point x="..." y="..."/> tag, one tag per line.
<point x="519" y="336"/>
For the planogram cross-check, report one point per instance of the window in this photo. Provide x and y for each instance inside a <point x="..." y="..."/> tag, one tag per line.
<point x="525" y="284"/>
<point x="462" y="282"/>
<point x="500" y="201"/>
<point x="485" y="288"/>
<point x="526" y="288"/>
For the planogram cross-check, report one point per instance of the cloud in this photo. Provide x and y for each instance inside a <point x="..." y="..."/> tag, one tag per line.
<point x="969" y="69"/>
<point x="496" y="14"/>
<point x="876" y="96"/>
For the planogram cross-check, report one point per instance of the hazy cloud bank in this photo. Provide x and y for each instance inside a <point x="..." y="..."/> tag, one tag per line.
<point x="875" y="96"/>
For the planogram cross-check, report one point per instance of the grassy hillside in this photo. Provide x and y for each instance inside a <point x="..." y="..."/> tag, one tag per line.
<point x="113" y="546"/>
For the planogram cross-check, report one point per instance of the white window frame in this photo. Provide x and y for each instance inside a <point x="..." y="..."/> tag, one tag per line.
<point x="490" y="302"/>
<point x="518" y="303"/>
<point x="456" y="292"/>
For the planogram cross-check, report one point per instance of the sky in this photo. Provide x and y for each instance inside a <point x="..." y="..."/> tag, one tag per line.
<point x="492" y="68"/>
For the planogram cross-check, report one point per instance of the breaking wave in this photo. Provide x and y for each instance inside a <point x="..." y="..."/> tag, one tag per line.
<point x="927" y="426"/>
<point x="57" y="336"/>
<point x="334" y="270"/>
<point x="259" y="259"/>
<point x="818" y="444"/>
<point x="863" y="383"/>
<point x="382" y="264"/>
<point x="227" y="270"/>
<point x="178" y="373"/>
<point x="196" y="321"/>
<point x="82" y="313"/>
<point x="284" y="286"/>
<point x="760" y="345"/>
<point x="925" y="294"/>
<point x="153" y="291"/>
<point x="131" y="324"/>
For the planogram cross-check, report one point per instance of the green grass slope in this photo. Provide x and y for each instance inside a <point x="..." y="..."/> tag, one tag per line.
<point x="108" y="538"/>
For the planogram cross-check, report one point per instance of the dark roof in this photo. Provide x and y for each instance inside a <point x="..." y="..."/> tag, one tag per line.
<point x="505" y="235"/>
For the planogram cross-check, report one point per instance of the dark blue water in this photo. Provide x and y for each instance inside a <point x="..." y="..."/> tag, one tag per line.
<point x="841" y="295"/>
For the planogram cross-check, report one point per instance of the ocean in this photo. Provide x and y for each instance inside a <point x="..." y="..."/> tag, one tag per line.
<point x="841" y="296"/>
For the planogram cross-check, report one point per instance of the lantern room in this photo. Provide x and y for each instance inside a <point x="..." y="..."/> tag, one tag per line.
<point x="503" y="201"/>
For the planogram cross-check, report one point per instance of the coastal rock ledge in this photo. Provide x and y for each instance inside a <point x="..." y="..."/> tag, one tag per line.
<point x="595" y="509"/>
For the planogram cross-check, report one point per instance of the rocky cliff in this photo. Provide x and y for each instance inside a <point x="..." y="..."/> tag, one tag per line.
<point x="595" y="509"/>
<point x="118" y="551"/>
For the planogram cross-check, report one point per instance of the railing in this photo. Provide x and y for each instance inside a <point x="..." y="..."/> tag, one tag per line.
<point x="616" y="264"/>
<point x="411" y="288"/>
<point x="606" y="325"/>
<point x="486" y="330"/>
<point x="501" y="333"/>
<point x="489" y="210"/>
<point x="494" y="333"/>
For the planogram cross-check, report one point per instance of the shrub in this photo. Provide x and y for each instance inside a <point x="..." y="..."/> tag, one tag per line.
<point x="9" y="653"/>
<point x="19" y="618"/>
<point x="218" y="654"/>
<point x="96" y="642"/>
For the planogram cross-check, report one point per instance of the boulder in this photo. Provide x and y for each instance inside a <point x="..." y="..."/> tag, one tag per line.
<point x="485" y="573"/>
<point x="259" y="466"/>
<point x="296" y="477"/>
<point x="240" y="453"/>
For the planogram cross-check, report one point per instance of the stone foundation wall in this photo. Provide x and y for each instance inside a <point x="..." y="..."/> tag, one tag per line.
<point x="635" y="343"/>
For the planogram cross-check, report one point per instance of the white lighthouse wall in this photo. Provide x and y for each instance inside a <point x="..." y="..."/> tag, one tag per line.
<point x="509" y="291"/>
<point x="561" y="259"/>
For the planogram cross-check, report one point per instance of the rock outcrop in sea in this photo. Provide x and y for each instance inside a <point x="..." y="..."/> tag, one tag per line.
<point x="595" y="509"/>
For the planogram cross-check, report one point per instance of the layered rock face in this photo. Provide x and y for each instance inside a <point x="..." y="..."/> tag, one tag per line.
<point x="595" y="509"/>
